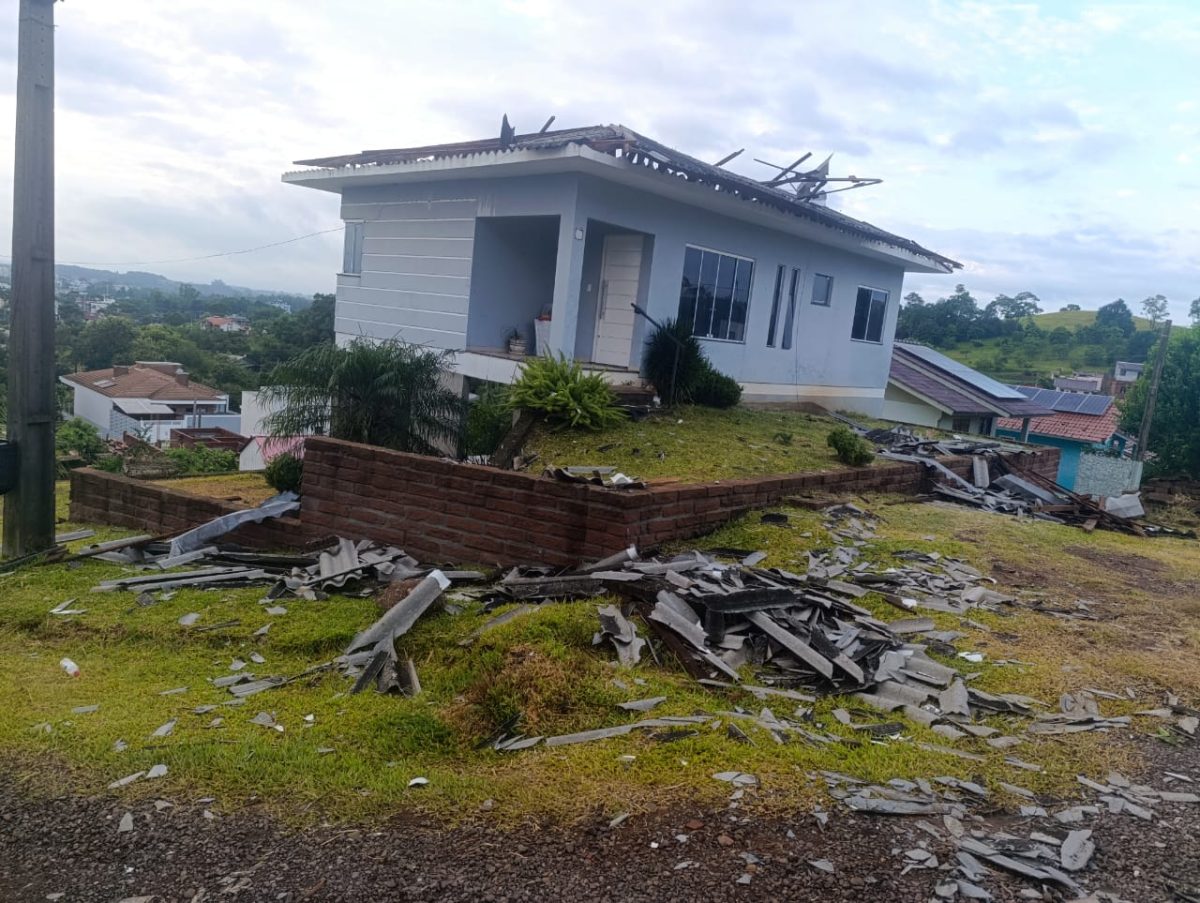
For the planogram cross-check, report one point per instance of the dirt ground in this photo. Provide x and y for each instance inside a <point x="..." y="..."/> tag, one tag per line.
<point x="72" y="846"/>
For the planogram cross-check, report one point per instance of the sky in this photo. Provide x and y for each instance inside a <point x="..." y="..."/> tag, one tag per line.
<point x="1050" y="147"/>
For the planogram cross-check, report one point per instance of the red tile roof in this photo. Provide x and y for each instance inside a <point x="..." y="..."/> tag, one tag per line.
<point x="1079" y="427"/>
<point x="155" y="380"/>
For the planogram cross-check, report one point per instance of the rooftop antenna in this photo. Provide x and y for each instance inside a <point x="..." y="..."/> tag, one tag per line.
<point x="728" y="157"/>
<point x="546" y="127"/>
<point x="507" y="133"/>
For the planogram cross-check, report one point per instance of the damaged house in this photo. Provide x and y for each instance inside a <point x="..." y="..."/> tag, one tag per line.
<point x="543" y="242"/>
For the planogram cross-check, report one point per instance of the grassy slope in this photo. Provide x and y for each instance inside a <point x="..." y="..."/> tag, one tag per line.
<point x="545" y="665"/>
<point x="695" y="443"/>
<point x="980" y="354"/>
<point x="249" y="487"/>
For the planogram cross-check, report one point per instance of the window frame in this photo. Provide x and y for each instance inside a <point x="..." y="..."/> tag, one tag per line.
<point x="352" y="247"/>
<point x="776" y="301"/>
<point x="887" y="299"/>
<point x="828" y="302"/>
<point x="795" y="286"/>
<point x="739" y="258"/>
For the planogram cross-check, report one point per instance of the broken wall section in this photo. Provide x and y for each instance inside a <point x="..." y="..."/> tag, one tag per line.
<point x="98" y="497"/>
<point x="444" y="511"/>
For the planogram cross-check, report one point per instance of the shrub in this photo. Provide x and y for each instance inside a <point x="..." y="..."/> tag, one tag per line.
<point x="79" y="437"/>
<point x="283" y="473"/>
<point x="658" y="361"/>
<point x="489" y="418"/>
<point x="202" y="459"/>
<point x="850" y="447"/>
<point x="716" y="390"/>
<point x="559" y="389"/>
<point x="109" y="463"/>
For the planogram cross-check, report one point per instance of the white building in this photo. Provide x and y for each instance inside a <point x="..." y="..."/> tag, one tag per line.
<point x="147" y="399"/>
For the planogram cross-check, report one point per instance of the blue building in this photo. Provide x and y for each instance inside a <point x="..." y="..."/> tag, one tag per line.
<point x="550" y="238"/>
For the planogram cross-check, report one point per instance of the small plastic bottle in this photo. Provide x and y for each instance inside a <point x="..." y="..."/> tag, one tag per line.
<point x="70" y="667"/>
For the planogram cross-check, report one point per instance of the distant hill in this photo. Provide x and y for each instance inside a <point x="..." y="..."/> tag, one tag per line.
<point x="1074" y="319"/>
<point x="137" y="279"/>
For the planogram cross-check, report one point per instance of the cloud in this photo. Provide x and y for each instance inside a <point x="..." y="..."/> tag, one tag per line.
<point x="1001" y="131"/>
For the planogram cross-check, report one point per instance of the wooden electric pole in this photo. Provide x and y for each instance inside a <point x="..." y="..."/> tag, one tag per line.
<point x="1152" y="395"/>
<point x="32" y="408"/>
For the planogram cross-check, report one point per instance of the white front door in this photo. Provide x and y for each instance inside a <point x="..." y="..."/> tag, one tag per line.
<point x="620" y="268"/>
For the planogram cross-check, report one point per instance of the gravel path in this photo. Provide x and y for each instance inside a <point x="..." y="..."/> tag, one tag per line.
<point x="75" y="847"/>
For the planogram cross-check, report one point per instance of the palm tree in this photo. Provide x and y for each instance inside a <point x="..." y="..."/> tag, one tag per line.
<point x="380" y="393"/>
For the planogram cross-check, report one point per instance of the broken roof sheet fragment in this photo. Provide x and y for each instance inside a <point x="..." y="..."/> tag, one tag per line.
<point x="642" y="705"/>
<point x="400" y="618"/>
<point x="198" y="537"/>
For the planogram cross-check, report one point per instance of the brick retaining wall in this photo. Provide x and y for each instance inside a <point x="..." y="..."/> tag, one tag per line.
<point x="158" y="509"/>
<point x="443" y="511"/>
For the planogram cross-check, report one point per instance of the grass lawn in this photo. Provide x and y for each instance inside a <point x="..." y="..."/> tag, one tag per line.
<point x="354" y="757"/>
<point x="696" y="444"/>
<point x="249" y="487"/>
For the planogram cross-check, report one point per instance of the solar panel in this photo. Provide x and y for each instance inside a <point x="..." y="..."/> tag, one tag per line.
<point x="1067" y="402"/>
<point x="986" y="384"/>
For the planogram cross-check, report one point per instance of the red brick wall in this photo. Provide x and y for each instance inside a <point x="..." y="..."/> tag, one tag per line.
<point x="443" y="511"/>
<point x="157" y="509"/>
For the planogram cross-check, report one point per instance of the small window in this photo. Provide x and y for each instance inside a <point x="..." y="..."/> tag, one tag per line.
<point x="789" y="321"/>
<point x="961" y="425"/>
<point x="870" y="310"/>
<point x="775" y="299"/>
<point x="715" y="294"/>
<point x="352" y="251"/>
<point x="822" y="289"/>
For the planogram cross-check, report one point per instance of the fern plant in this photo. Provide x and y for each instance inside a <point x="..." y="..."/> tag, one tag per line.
<point x="559" y="389"/>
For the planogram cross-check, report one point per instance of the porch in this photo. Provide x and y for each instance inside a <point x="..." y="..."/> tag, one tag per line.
<point x="539" y="287"/>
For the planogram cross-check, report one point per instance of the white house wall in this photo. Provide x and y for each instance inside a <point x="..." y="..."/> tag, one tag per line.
<point x="93" y="407"/>
<point x="418" y="246"/>
<point x="418" y="249"/>
<point x="903" y="407"/>
<point x="822" y="353"/>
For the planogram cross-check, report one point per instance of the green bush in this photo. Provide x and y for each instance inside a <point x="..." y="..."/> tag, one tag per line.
<point x="283" y="473"/>
<point x="559" y="389"/>
<point x="109" y="463"/>
<point x="202" y="459"/>
<point x="716" y="390"/>
<point x="850" y="447"/>
<point x="658" y="362"/>
<point x="78" y="437"/>
<point x="489" y="418"/>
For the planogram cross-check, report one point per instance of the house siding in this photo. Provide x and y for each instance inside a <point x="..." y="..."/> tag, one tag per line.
<point x="419" y="250"/>
<point x="822" y="353"/>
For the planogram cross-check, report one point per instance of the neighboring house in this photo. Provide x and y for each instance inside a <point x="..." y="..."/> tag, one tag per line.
<point x="1124" y="375"/>
<point x="1079" y="382"/>
<point x="926" y="388"/>
<point x="1078" y="423"/>
<point x="261" y="447"/>
<point x="232" y="323"/>
<point x="455" y="246"/>
<point x="1127" y="371"/>
<point x="259" y="451"/>
<point x="147" y="398"/>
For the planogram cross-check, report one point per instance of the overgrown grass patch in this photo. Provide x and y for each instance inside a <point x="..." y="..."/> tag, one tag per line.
<point x="695" y="444"/>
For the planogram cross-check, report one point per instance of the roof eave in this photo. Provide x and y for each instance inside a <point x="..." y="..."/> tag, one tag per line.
<point x="579" y="158"/>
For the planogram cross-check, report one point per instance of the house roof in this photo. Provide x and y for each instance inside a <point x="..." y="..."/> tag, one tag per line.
<point x="954" y="387"/>
<point x="634" y="151"/>
<point x="1067" y="402"/>
<point x="1089" y="428"/>
<point x="156" y="380"/>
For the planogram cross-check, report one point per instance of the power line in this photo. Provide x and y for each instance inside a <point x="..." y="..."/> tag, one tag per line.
<point x="142" y="263"/>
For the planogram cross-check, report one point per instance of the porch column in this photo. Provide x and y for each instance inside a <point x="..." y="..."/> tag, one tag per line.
<point x="1024" y="429"/>
<point x="568" y="274"/>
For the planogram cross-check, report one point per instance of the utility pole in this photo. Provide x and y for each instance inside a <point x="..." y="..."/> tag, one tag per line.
<point x="1152" y="396"/>
<point x="32" y="408"/>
